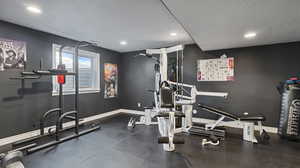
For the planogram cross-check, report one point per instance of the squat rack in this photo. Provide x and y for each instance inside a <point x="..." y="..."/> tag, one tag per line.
<point x="60" y="72"/>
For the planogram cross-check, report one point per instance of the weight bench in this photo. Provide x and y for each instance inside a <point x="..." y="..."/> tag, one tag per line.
<point x="247" y="121"/>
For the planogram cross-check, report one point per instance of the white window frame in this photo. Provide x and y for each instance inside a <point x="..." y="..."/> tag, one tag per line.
<point x="89" y="54"/>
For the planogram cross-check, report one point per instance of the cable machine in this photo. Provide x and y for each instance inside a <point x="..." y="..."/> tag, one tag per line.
<point x="173" y="101"/>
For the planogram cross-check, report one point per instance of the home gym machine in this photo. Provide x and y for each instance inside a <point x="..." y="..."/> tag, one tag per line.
<point x="174" y="106"/>
<point x="163" y="109"/>
<point x="58" y="129"/>
<point x="289" y="124"/>
<point x="184" y="99"/>
<point x="172" y="100"/>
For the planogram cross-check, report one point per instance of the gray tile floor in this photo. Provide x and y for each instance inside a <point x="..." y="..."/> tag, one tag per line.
<point x="116" y="147"/>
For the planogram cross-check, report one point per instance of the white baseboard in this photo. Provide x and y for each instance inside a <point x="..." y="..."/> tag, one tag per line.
<point x="127" y="111"/>
<point x="233" y="124"/>
<point x="26" y="135"/>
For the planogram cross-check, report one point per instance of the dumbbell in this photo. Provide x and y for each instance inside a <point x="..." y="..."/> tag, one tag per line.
<point x="13" y="160"/>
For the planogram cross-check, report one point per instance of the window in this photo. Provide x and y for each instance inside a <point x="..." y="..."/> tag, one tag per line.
<point x="89" y="73"/>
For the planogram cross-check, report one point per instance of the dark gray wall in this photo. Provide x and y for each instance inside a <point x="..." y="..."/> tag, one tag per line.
<point x="137" y="76"/>
<point x="258" y="70"/>
<point x="17" y="116"/>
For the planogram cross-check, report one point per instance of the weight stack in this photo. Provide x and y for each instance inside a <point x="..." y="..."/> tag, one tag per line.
<point x="289" y="124"/>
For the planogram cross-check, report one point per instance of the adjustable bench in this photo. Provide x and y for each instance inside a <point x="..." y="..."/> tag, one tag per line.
<point x="231" y="116"/>
<point x="248" y="123"/>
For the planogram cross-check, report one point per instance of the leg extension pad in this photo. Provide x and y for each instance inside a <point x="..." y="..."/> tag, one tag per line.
<point x="165" y="140"/>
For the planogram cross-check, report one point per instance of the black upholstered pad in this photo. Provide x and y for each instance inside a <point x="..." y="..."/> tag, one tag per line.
<point x="228" y="115"/>
<point x="166" y="114"/>
<point x="253" y="118"/>
<point x="217" y="111"/>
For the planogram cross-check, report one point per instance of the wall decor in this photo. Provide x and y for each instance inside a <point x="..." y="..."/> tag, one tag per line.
<point x="110" y="80"/>
<point x="12" y="54"/>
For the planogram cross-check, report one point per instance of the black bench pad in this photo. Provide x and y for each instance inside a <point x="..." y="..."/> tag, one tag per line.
<point x="231" y="116"/>
<point x="254" y="118"/>
<point x="217" y="111"/>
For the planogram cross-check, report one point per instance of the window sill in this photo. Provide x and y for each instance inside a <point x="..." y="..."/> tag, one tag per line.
<point x="73" y="92"/>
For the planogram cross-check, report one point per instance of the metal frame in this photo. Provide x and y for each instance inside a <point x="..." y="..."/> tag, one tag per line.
<point x="183" y="98"/>
<point x="167" y="127"/>
<point x="71" y="115"/>
<point x="45" y="115"/>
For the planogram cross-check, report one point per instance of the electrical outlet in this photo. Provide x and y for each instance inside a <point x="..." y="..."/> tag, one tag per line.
<point x="139" y="104"/>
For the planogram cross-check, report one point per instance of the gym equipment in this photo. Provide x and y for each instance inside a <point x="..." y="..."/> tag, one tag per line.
<point x="168" y="131"/>
<point x="186" y="100"/>
<point x="289" y="124"/>
<point x="182" y="100"/>
<point x="165" y="109"/>
<point x="61" y="73"/>
<point x="166" y="118"/>
<point x="247" y="122"/>
<point x="172" y="100"/>
<point x="12" y="160"/>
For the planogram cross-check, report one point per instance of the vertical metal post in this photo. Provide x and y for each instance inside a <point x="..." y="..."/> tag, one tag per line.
<point x="177" y="71"/>
<point x="182" y="72"/>
<point x="60" y="94"/>
<point x="163" y="64"/>
<point x="76" y="66"/>
<point x="157" y="83"/>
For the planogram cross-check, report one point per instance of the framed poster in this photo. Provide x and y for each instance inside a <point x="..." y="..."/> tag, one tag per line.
<point x="221" y="69"/>
<point x="110" y="80"/>
<point x="12" y="54"/>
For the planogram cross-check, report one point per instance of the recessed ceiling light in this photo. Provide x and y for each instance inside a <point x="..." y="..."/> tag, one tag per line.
<point x="123" y="42"/>
<point x="34" y="9"/>
<point x="173" y="34"/>
<point x="250" y="35"/>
